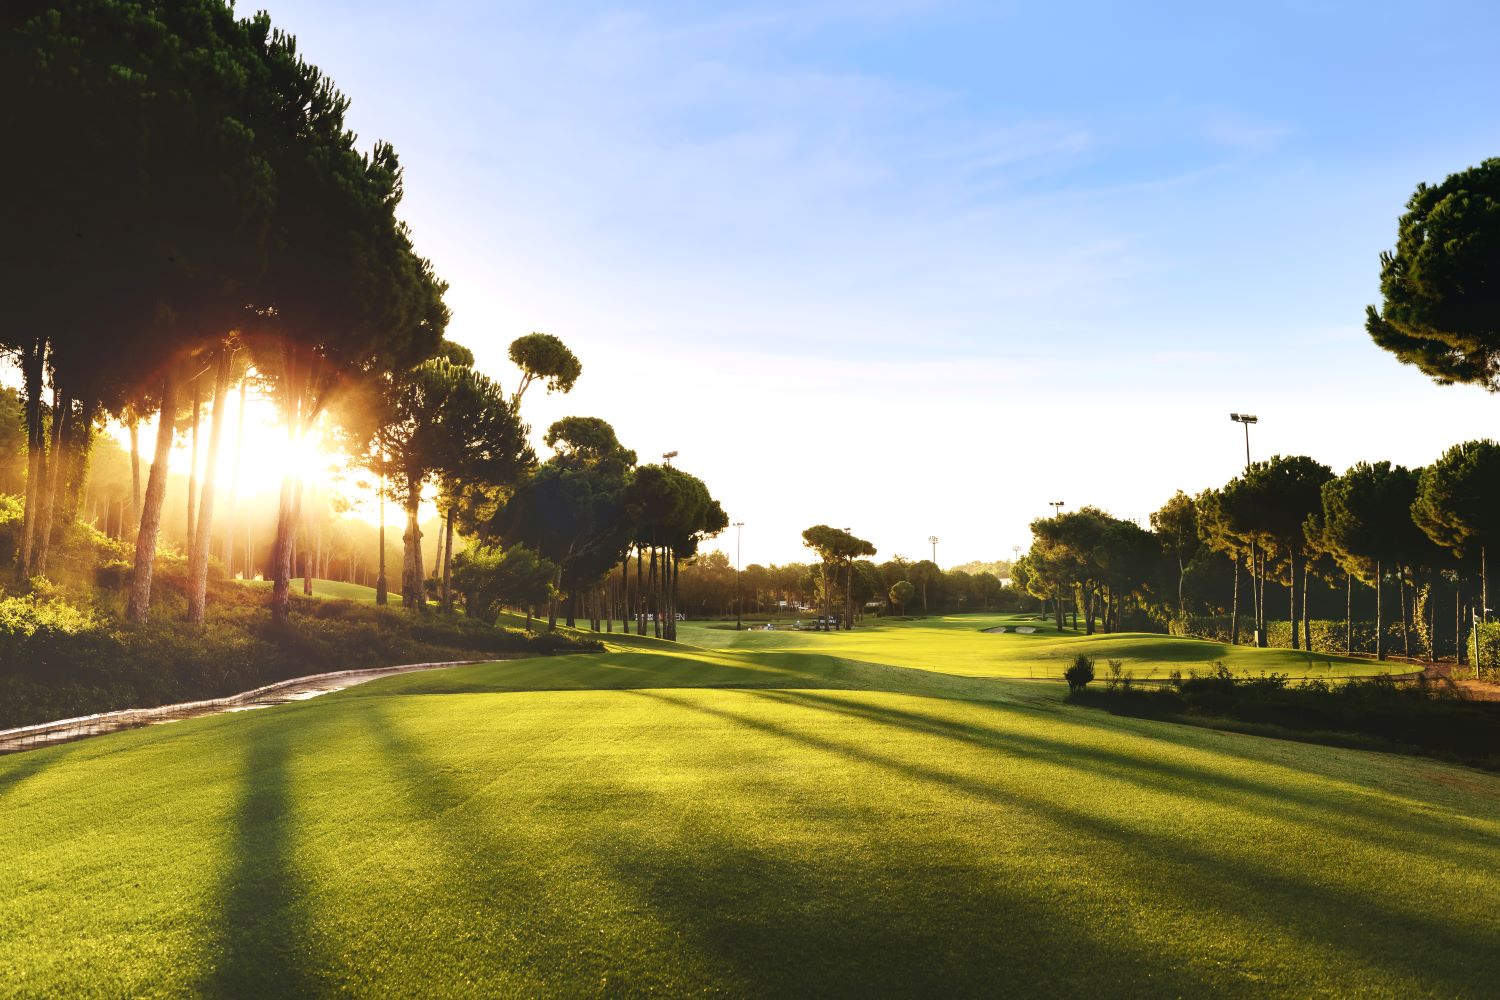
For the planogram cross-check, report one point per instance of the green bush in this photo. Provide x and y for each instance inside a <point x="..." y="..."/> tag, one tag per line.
<point x="1079" y="673"/>
<point x="1422" y="717"/>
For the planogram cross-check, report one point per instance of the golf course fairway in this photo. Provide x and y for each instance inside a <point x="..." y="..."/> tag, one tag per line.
<point x="899" y="810"/>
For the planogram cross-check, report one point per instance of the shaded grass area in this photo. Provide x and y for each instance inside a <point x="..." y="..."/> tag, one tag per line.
<point x="1421" y="717"/>
<point x="814" y="824"/>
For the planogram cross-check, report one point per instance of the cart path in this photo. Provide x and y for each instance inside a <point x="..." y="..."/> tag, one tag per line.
<point x="296" y="689"/>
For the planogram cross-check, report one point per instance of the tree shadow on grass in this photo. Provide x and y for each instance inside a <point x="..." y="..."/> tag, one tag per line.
<point x="513" y="923"/>
<point x="788" y="922"/>
<point x="701" y="913"/>
<point x="1307" y="807"/>
<point x="1422" y="949"/>
<point x="263" y="943"/>
<point x="15" y="769"/>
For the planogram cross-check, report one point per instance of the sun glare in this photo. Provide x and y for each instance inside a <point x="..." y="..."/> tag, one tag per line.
<point x="256" y="454"/>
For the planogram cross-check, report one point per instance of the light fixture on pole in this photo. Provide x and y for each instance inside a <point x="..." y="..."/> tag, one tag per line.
<point x="933" y="540"/>
<point x="668" y="456"/>
<point x="737" y="614"/>
<point x="1260" y="636"/>
<point x="1247" y="419"/>
<point x="1056" y="505"/>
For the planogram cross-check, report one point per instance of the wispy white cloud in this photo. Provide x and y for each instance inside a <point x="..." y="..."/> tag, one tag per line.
<point x="1241" y="134"/>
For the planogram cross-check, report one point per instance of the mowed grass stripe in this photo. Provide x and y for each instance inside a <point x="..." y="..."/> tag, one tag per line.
<point x="770" y="839"/>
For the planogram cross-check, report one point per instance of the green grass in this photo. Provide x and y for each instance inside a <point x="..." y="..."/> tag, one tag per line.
<point x="753" y="819"/>
<point x="956" y="644"/>
<point x="334" y="589"/>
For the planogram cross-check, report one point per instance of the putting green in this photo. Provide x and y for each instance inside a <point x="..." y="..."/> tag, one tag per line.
<point x="738" y="820"/>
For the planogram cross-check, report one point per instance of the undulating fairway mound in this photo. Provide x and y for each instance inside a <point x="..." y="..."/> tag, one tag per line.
<point x="882" y="812"/>
<point x="335" y="589"/>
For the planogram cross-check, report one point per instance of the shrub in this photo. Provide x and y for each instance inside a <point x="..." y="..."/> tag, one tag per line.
<point x="1080" y="673"/>
<point x="1119" y="677"/>
<point x="1414" y="717"/>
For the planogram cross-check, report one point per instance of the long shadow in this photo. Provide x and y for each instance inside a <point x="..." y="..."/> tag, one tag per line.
<point x="1427" y="950"/>
<point x="15" y="769"/>
<point x="1299" y="806"/>
<point x="263" y="942"/>
<point x="755" y="922"/>
<point x="519" y="921"/>
<point x="781" y="922"/>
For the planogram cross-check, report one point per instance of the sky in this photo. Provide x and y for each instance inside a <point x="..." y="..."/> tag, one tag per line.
<point x="919" y="268"/>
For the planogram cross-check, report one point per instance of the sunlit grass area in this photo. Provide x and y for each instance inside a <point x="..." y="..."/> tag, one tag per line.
<point x="334" y="589"/>
<point x="958" y="644"/>
<point x="678" y="819"/>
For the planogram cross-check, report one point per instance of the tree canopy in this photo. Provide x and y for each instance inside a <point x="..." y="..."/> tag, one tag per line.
<point x="1441" y="299"/>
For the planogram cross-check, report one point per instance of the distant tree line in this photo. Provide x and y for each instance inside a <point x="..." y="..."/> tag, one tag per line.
<point x="1287" y="541"/>
<point x="708" y="588"/>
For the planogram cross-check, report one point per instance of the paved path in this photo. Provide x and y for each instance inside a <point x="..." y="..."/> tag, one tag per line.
<point x="297" y="689"/>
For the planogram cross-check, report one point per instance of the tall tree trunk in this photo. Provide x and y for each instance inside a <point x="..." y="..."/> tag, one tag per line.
<point x="79" y="446"/>
<point x="1379" y="614"/>
<point x="1484" y="587"/>
<point x="848" y="597"/>
<point x="672" y="592"/>
<point x="1291" y="591"/>
<point x="625" y="592"/>
<point x="1458" y="620"/>
<point x="156" y="492"/>
<point x="309" y="544"/>
<point x="1406" y="615"/>
<point x="1255" y="595"/>
<point x="381" y="585"/>
<point x="1261" y="601"/>
<point x="655" y="597"/>
<point x="552" y="601"/>
<point x="1234" y="605"/>
<point x="62" y="411"/>
<point x="437" y="556"/>
<point x="192" y="493"/>
<point x="203" y="531"/>
<point x="33" y="363"/>
<point x="411" y="563"/>
<point x="448" y="561"/>
<point x="640" y="593"/>
<point x="290" y="502"/>
<point x="234" y="486"/>
<point x="135" y="473"/>
<point x="1306" y="625"/>
<point x="1348" y="612"/>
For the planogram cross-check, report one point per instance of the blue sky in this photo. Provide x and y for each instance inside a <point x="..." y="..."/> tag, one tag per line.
<point x="918" y="268"/>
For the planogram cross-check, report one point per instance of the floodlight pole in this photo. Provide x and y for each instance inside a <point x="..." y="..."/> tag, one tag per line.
<point x="738" y="525"/>
<point x="933" y="540"/>
<point x="1260" y="633"/>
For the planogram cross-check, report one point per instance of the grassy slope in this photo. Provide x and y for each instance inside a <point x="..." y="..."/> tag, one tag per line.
<point x="837" y="826"/>
<point x="336" y="589"/>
